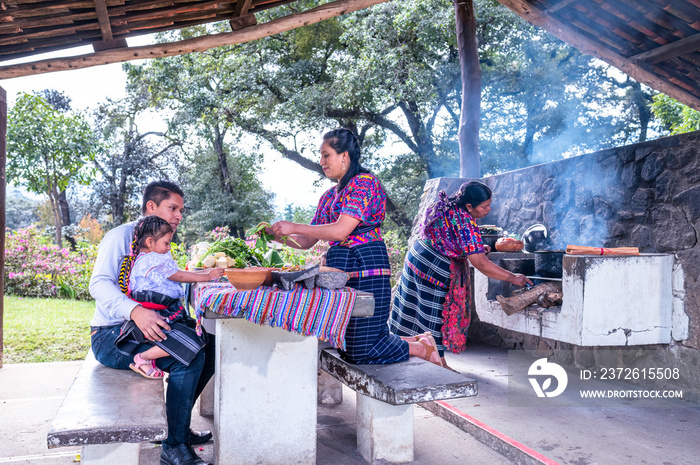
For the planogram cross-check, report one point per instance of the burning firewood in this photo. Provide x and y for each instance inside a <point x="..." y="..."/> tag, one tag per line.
<point x="550" y="299"/>
<point x="523" y="300"/>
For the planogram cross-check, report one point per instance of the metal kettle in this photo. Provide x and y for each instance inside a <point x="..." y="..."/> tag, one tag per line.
<point x="535" y="238"/>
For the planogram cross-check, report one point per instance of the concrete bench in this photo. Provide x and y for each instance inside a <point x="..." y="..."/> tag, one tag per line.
<point x="385" y="397"/>
<point x="109" y="412"/>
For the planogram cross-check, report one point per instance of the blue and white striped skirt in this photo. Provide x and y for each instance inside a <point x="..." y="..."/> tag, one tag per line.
<point x="420" y="297"/>
<point x="368" y="340"/>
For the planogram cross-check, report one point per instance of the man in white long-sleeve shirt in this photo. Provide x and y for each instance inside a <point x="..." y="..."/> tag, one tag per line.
<point x="113" y="308"/>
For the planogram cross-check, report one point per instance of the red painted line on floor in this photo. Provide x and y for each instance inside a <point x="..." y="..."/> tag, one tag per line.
<point x="494" y="432"/>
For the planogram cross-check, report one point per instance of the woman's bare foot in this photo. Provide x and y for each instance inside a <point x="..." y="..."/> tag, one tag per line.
<point x="430" y="352"/>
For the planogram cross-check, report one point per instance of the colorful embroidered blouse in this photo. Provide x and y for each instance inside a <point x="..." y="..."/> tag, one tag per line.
<point x="362" y="198"/>
<point x="454" y="234"/>
<point x="151" y="271"/>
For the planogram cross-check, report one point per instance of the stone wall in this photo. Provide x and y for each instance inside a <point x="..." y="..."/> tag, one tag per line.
<point x="645" y="195"/>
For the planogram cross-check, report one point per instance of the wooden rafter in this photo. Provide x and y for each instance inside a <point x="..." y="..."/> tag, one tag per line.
<point x="197" y="44"/>
<point x="559" y="5"/>
<point x="103" y="18"/>
<point x="563" y="31"/>
<point x="241" y="18"/>
<point x="669" y="51"/>
<point x="242" y="7"/>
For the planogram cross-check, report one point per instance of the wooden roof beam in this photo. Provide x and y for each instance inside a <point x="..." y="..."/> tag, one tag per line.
<point x="559" y="5"/>
<point x="667" y="52"/>
<point x="108" y="40"/>
<point x="241" y="18"/>
<point x="538" y="17"/>
<point x="196" y="44"/>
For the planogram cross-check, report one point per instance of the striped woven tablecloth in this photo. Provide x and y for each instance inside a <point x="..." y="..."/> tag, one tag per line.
<point x="317" y="312"/>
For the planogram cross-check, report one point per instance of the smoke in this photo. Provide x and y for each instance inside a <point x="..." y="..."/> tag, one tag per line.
<point x="587" y="199"/>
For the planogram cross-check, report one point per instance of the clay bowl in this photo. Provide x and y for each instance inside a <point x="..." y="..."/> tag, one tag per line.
<point x="247" y="279"/>
<point x="509" y="246"/>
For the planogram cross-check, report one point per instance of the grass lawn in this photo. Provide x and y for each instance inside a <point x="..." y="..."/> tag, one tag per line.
<point x="46" y="330"/>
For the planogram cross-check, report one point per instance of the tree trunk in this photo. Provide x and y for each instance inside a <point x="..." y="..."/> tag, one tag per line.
<point x="64" y="207"/>
<point x="120" y="197"/>
<point x="223" y="163"/>
<point x="56" y="210"/>
<point x="640" y="99"/>
<point x="469" y="166"/>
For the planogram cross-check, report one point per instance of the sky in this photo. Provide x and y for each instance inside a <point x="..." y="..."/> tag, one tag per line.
<point x="87" y="87"/>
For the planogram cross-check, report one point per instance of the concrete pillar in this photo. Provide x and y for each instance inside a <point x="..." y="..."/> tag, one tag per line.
<point x="384" y="431"/>
<point x="206" y="399"/>
<point x="330" y="390"/>
<point x="265" y="395"/>
<point x="121" y="453"/>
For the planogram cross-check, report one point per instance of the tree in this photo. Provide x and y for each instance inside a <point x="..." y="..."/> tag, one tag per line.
<point x="220" y="175"/>
<point x="20" y="212"/>
<point x="130" y="159"/>
<point x="60" y="102"/>
<point x="391" y="74"/>
<point x="48" y="150"/>
<point x="674" y="116"/>
<point x="210" y="207"/>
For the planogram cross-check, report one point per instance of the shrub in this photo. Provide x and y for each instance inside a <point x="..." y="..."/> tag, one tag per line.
<point x="397" y="248"/>
<point x="90" y="230"/>
<point x="34" y="267"/>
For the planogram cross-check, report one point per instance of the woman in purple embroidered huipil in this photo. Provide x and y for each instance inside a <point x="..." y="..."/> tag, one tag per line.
<point x="433" y="293"/>
<point x="349" y="217"/>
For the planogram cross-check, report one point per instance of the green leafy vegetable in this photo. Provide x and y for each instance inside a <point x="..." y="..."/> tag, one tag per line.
<point x="237" y="249"/>
<point x="271" y="257"/>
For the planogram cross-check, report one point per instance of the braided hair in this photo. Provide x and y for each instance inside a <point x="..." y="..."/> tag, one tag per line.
<point x="473" y="193"/>
<point x="148" y="226"/>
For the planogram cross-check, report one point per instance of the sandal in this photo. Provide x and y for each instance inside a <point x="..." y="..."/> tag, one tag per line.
<point x="153" y="373"/>
<point x="430" y="349"/>
<point x="418" y="337"/>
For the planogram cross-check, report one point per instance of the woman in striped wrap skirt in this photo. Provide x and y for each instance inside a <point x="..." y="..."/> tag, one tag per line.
<point x="433" y="294"/>
<point x="349" y="217"/>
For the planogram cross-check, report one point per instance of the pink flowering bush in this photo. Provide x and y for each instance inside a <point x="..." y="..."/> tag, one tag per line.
<point x="218" y="233"/>
<point x="35" y="267"/>
<point x="396" y="248"/>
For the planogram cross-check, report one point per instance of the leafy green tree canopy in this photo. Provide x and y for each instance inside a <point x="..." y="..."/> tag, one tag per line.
<point x="675" y="117"/>
<point x="48" y="150"/>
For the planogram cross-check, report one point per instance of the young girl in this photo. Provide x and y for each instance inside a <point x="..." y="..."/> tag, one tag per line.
<point x="154" y="281"/>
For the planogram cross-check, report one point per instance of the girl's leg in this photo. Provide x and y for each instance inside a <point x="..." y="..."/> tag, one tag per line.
<point x="153" y="353"/>
<point x="145" y="365"/>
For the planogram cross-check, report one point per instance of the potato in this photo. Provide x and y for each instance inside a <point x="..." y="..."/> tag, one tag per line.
<point x="209" y="262"/>
<point x="221" y="262"/>
<point x="230" y="262"/>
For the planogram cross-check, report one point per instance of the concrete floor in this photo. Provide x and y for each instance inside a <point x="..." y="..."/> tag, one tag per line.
<point x="30" y="394"/>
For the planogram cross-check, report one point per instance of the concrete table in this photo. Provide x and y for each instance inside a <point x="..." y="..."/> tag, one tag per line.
<point x="265" y="391"/>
